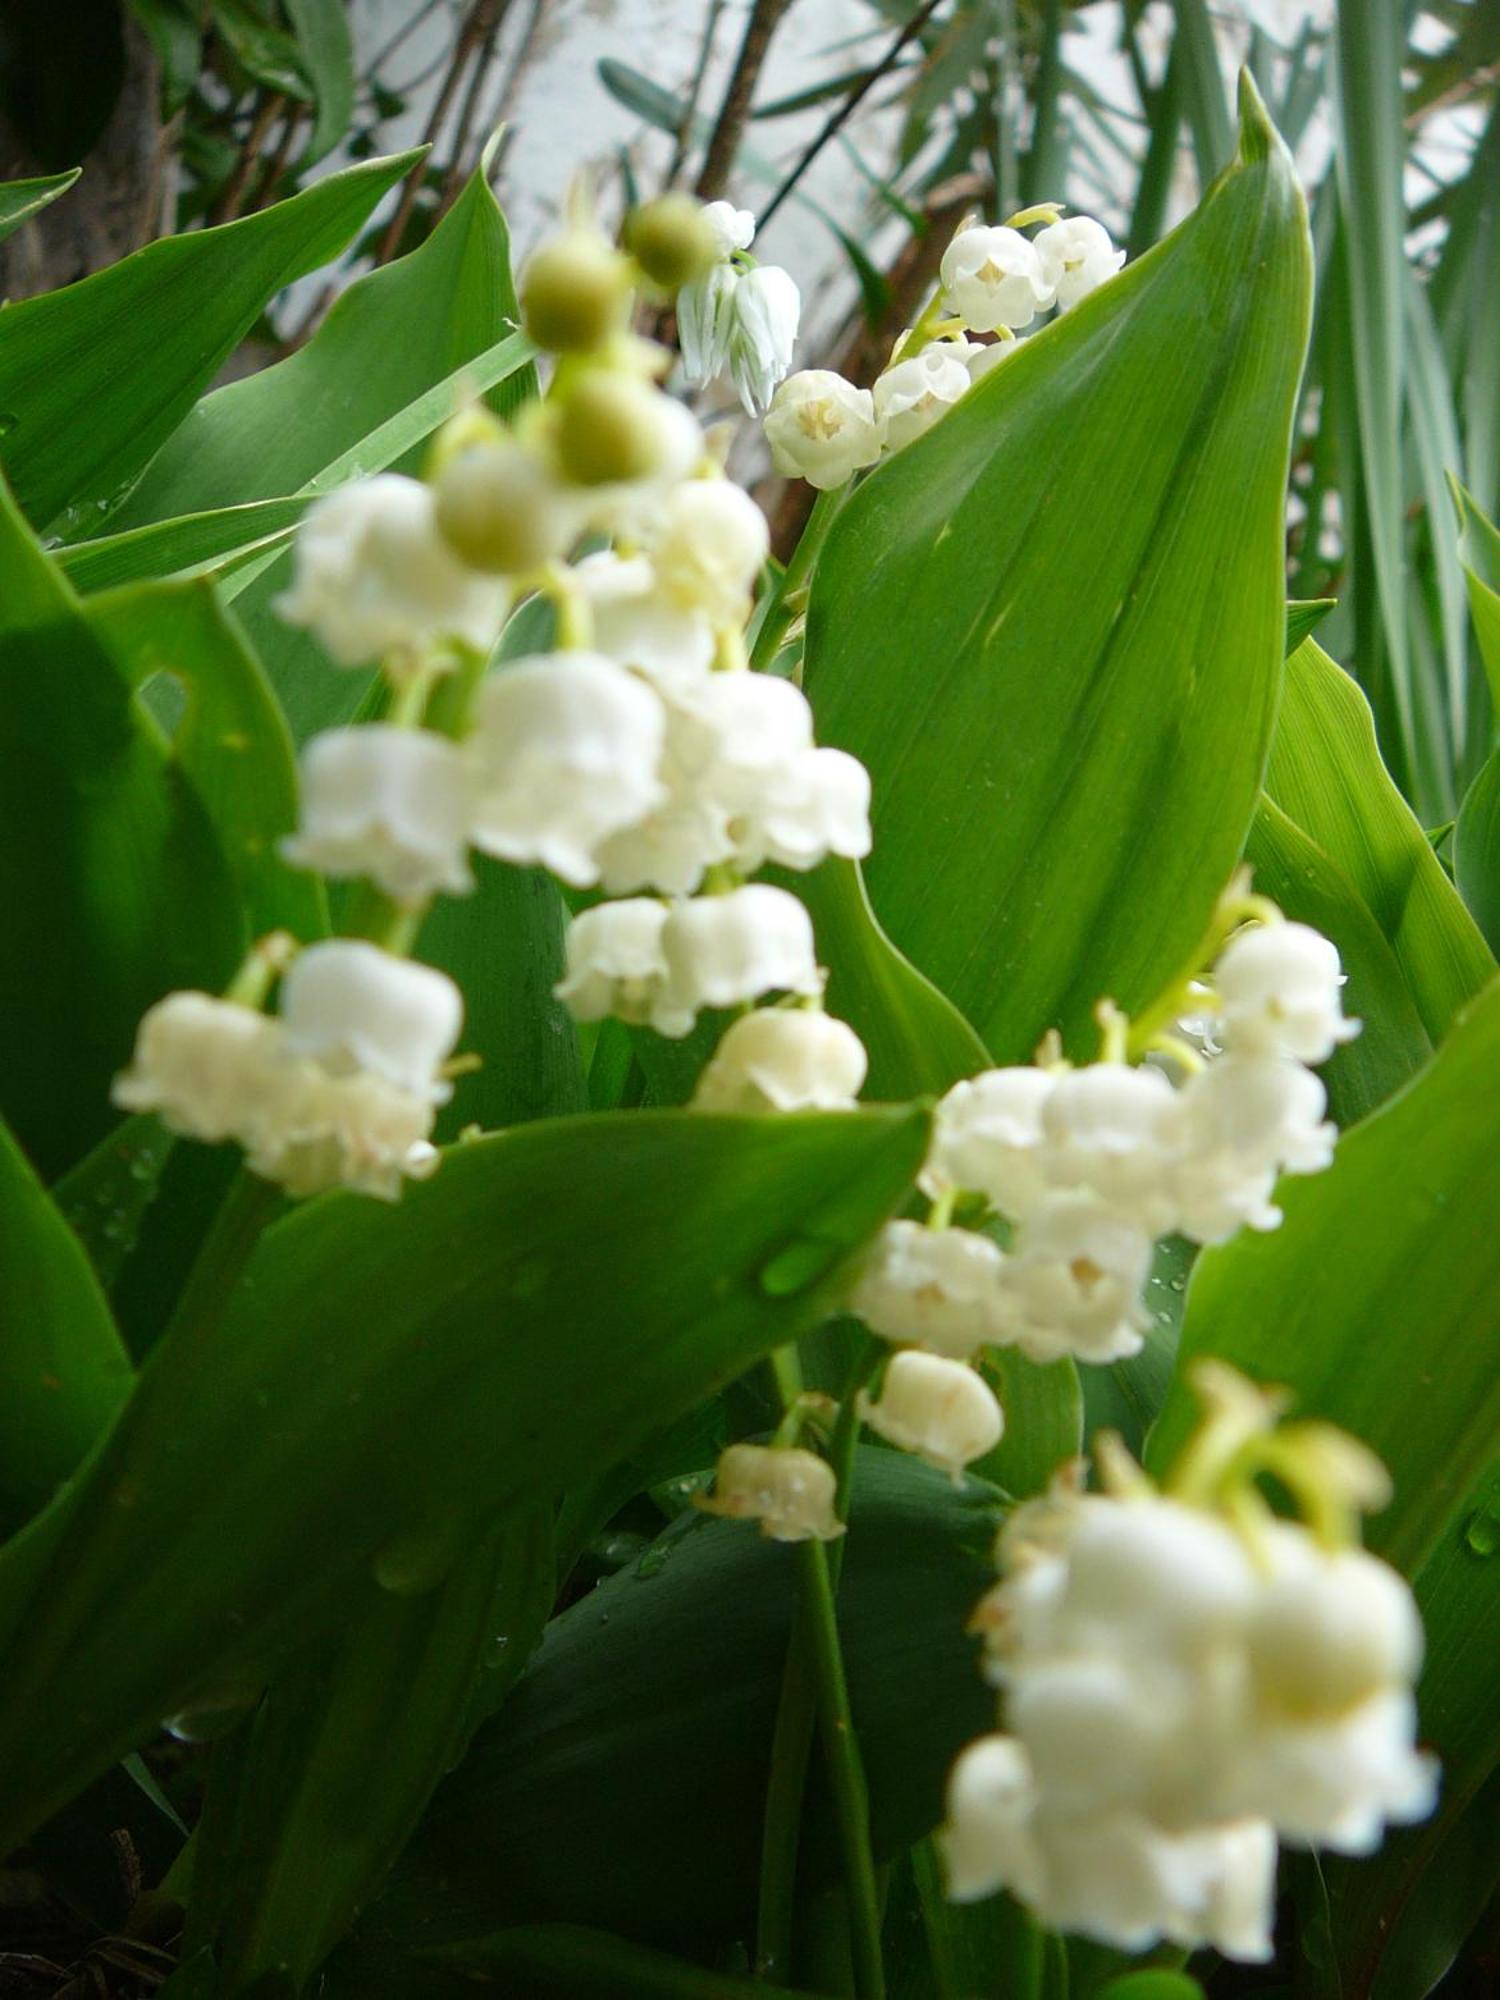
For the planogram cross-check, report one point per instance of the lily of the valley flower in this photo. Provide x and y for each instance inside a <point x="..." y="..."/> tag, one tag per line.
<point x="936" y="1288"/>
<point x="1077" y="255"/>
<point x="351" y="1006"/>
<point x="386" y="803"/>
<point x="938" y="1408"/>
<point x="1279" y="988"/>
<point x="790" y="1492"/>
<point x="783" y="1059"/>
<point x="765" y="310"/>
<point x="724" y="950"/>
<point x="911" y="396"/>
<point x="994" y="278"/>
<point x="615" y="961"/>
<point x="822" y="429"/>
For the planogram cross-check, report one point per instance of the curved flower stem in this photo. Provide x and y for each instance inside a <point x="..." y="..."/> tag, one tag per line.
<point x="787" y="597"/>
<point x="245" y="1211"/>
<point x="814" y="1687"/>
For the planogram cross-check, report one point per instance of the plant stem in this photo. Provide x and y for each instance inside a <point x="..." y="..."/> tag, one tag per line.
<point x="786" y="598"/>
<point x="225" y="1251"/>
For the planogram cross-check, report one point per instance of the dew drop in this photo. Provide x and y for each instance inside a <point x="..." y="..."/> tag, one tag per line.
<point x="655" y="1560"/>
<point x="8" y="422"/>
<point x="210" y="1719"/>
<point x="797" y="1265"/>
<point x="1482" y="1532"/>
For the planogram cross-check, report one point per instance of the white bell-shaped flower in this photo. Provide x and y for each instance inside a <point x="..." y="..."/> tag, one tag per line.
<point x="636" y="624"/>
<point x="201" y="1064"/>
<point x="764" y="311"/>
<point x="615" y="962"/>
<point x="986" y="1840"/>
<point x="349" y="1006"/>
<point x="1339" y="1782"/>
<point x="1168" y="1575"/>
<point x="790" y="1492"/>
<point x="1077" y="255"/>
<point x="733" y="228"/>
<point x="705" y="318"/>
<point x="814" y="805"/>
<point x="783" y="1059"/>
<point x="711" y="542"/>
<point x="358" y="1131"/>
<point x="1260" y="1111"/>
<point x="993" y="278"/>
<point x="937" y="1288"/>
<point x="980" y="356"/>
<point x="1329" y="1628"/>
<point x="821" y="428"/>
<point x="565" y="752"/>
<point x="1110" y="1127"/>
<point x="910" y="397"/>
<point x="724" y="950"/>
<point x="987" y="1137"/>
<point x="1279" y="988"/>
<point x="937" y="1408"/>
<point x="1073" y="1279"/>
<point x="374" y="577"/>
<point x="386" y="803"/>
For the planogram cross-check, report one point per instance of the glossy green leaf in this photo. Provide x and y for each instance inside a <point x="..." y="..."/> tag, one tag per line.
<point x="114" y="886"/>
<point x="1127" y="1395"/>
<point x="1312" y="888"/>
<point x="20" y="200"/>
<point x="232" y="742"/>
<point x="326" y="43"/>
<point x="543" y="1962"/>
<point x="1326" y="774"/>
<point x="1377" y="1301"/>
<point x="1476" y="850"/>
<point x="64" y="1372"/>
<point x="307" y="1807"/>
<point x="1303" y="617"/>
<point x="645" y="1724"/>
<point x="390" y="339"/>
<point x="105" y="1197"/>
<point x="1060" y="798"/>
<point x="1479" y="551"/>
<point x="462" y="1355"/>
<point x="1043" y="1420"/>
<point x="162" y="320"/>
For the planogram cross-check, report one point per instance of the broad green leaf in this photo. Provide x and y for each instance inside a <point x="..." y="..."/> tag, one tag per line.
<point x="387" y="1381"/>
<point x="1377" y="1301"/>
<point x="1043" y="1420"/>
<point x="1326" y="774"/>
<point x="326" y="43"/>
<point x="105" y="1197"/>
<point x="114" y="886"/>
<point x="1476" y="850"/>
<point x="157" y="325"/>
<point x="389" y="340"/>
<point x="1311" y="888"/>
<point x="1303" y="617"/>
<point x="64" y="1372"/>
<point x="1067" y="751"/>
<point x="615" y="1785"/>
<point x="307" y="1807"/>
<point x="1152" y="1985"/>
<point x="19" y="200"/>
<point x="1127" y="1396"/>
<point x="232" y="743"/>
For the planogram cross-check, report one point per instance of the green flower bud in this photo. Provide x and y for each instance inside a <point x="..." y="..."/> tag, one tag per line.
<point x="499" y="510"/>
<point x="610" y="428"/>
<point x="575" y="293"/>
<point x="672" y="240"/>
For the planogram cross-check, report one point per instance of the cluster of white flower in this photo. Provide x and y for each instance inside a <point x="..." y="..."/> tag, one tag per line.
<point x="738" y="315"/>
<point x="995" y="282"/>
<point x="1185" y="1678"/>
<point x="1088" y="1165"/>
<point x="640" y="758"/>
<point x="338" y="1089"/>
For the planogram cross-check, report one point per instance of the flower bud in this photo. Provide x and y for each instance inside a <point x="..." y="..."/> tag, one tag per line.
<point x="575" y="292"/>
<point x="783" y="1059"/>
<point x="611" y="429"/>
<point x="500" y="510"/>
<point x="791" y="1493"/>
<point x="351" y="1006"/>
<point x="672" y="240"/>
<point x="937" y="1408"/>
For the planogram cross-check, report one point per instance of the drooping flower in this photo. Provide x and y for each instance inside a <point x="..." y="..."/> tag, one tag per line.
<point x="385" y="803"/>
<point x="937" y="1288"/>
<point x="374" y="577"/>
<point x="199" y="1063"/>
<point x="821" y="428"/>
<point x="1242" y="1120"/>
<point x="790" y="1492"/>
<point x="1111" y="1128"/>
<point x="710" y="544"/>
<point x="565" y="752"/>
<point x="765" y="308"/>
<point x="987" y="1136"/>
<point x="1077" y="256"/>
<point x="636" y="623"/>
<point x="783" y="1059"/>
<point x="1073" y="1279"/>
<point x="1279" y="988"/>
<point x="911" y="396"/>
<point x="993" y="278"/>
<point x="938" y="1408"/>
<point x="352" y="1007"/>
<point x="615" y="961"/>
<point x="723" y="950"/>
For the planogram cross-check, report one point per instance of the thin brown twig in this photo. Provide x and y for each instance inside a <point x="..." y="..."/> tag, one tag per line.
<point x="734" y="110"/>
<point x="457" y="169"/>
<point x="232" y="195"/>
<point x="463" y="47"/>
<point x="684" y="139"/>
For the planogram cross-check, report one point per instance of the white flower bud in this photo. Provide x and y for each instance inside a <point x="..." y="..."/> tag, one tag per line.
<point x="350" y="1006"/>
<point x="1330" y="1628"/>
<point x="199" y="1062"/>
<point x="791" y="1493"/>
<point x="987" y="1137"/>
<point x="615" y="961"/>
<point x="712" y="542"/>
<point x="986" y="1840"/>
<point x="564" y="753"/>
<point x="910" y="397"/>
<point x="733" y="228"/>
<point x="765" y="308"/>
<point x="821" y="428"/>
<point x="1260" y="1111"/>
<point x="374" y="576"/>
<point x="501" y="508"/>
<point x="937" y="1408"/>
<point x="783" y="1059"/>
<point x="1074" y="1278"/>
<point x="993" y="278"/>
<point x="386" y="803"/>
<point x="705" y="317"/>
<point x="980" y="356"/>
<point x="1279" y="993"/>
<point x="636" y="624"/>
<point x="722" y="950"/>
<point x="1077" y="255"/>
<point x="1110" y="1127"/>
<point x="938" y="1288"/>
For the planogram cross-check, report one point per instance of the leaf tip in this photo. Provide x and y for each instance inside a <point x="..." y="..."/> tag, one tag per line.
<point x="1258" y="136"/>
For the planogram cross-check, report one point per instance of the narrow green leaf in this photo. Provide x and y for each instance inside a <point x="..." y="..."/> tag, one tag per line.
<point x="114" y="886"/>
<point x="1303" y="617"/>
<point x="1326" y="774"/>
<point x="1043" y="1421"/>
<point x="1060" y="799"/>
<point x="161" y="321"/>
<point x="1377" y="1302"/>
<point x="64" y="1372"/>
<point x="462" y="1355"/>
<point x="1479" y="551"/>
<point x="19" y="200"/>
<point x="326" y="43"/>
<point x="105" y="1197"/>
<point x="1196" y="46"/>
<point x="1476" y="850"/>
